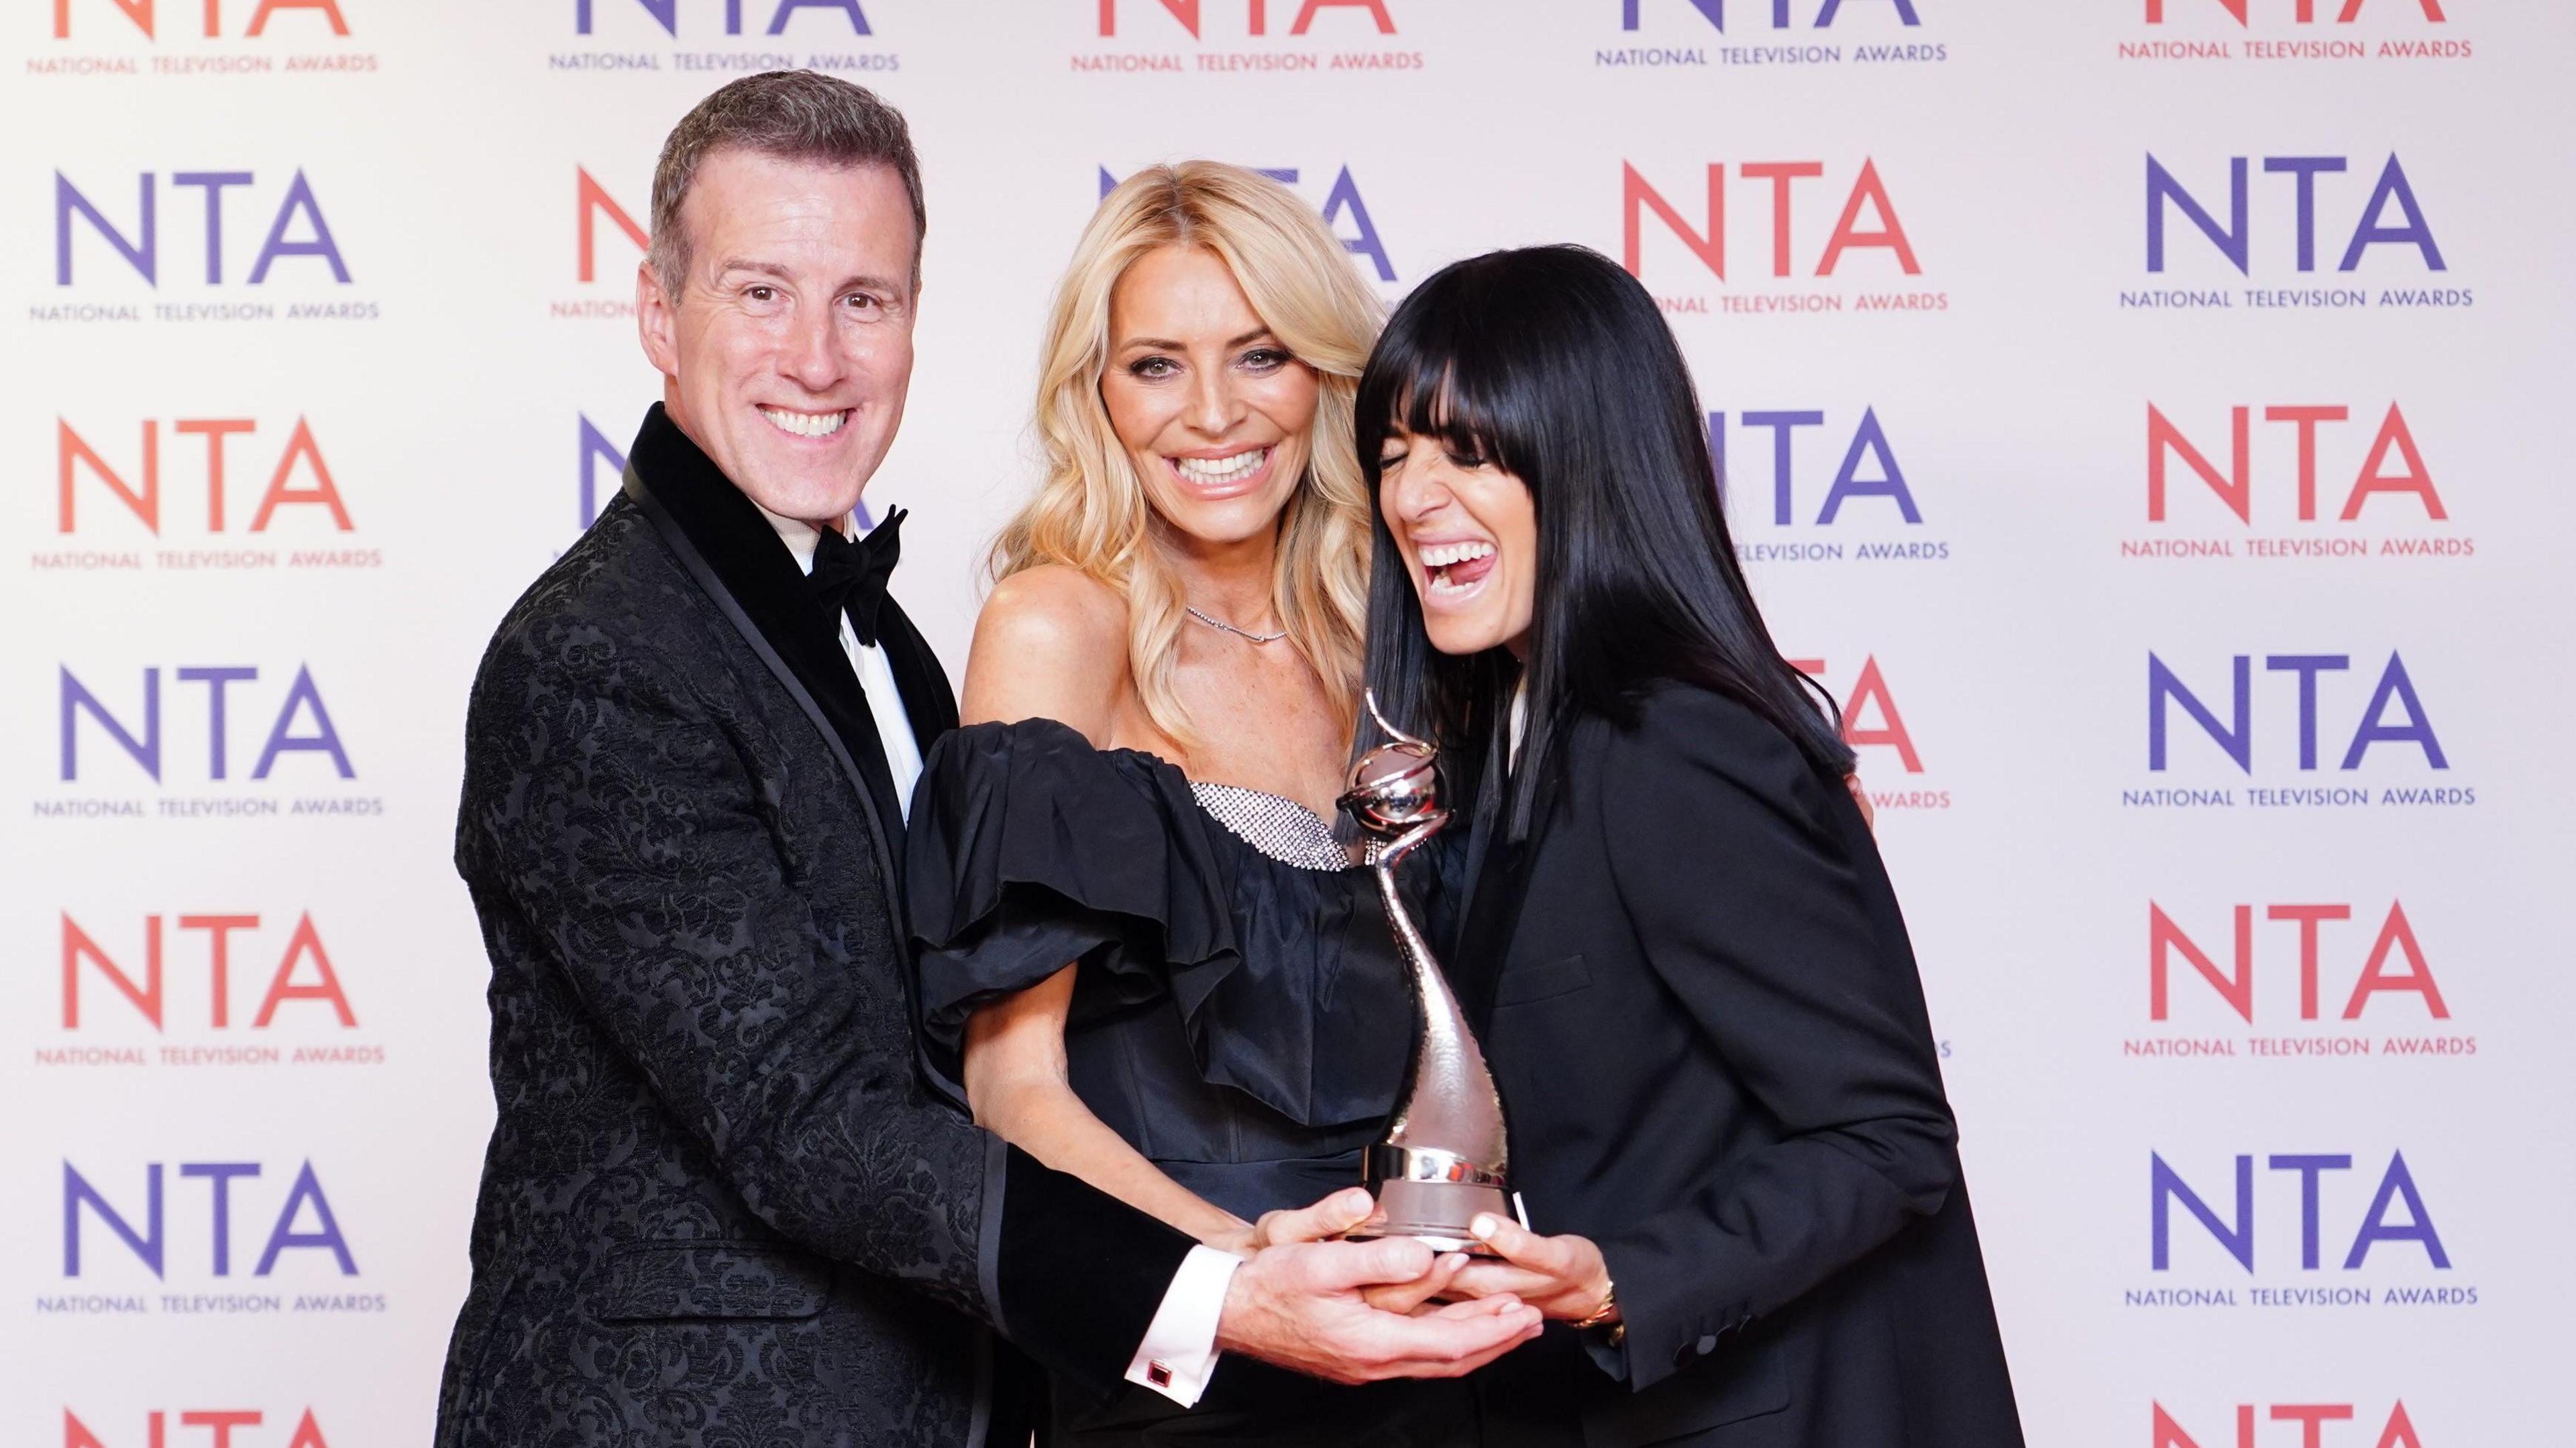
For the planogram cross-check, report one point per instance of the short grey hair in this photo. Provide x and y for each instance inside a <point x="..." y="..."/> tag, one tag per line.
<point x="795" y="115"/>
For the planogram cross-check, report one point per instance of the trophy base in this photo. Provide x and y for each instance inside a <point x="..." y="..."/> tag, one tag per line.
<point x="1433" y="1213"/>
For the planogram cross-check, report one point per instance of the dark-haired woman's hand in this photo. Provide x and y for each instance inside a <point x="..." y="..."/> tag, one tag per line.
<point x="1860" y="796"/>
<point x="1563" y="1277"/>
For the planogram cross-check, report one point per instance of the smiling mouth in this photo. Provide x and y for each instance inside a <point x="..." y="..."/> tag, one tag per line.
<point x="1454" y="569"/>
<point x="1221" y="475"/>
<point x="806" y="424"/>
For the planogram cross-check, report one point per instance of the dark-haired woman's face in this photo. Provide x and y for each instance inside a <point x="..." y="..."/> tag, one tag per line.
<point x="1469" y="535"/>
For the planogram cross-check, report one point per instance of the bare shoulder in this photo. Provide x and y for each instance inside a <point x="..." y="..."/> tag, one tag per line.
<point x="1057" y="605"/>
<point x="1051" y="643"/>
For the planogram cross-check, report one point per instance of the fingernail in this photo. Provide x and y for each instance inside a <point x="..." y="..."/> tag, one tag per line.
<point x="1483" y="1227"/>
<point x="1354" y="1200"/>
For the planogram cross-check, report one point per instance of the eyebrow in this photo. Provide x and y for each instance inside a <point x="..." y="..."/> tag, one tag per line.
<point x="1166" y="344"/>
<point x="774" y="269"/>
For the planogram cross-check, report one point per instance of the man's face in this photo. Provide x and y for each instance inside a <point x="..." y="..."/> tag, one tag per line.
<point x="788" y="351"/>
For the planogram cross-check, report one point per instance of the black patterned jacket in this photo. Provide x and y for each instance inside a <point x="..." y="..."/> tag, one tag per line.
<point x="720" y="1205"/>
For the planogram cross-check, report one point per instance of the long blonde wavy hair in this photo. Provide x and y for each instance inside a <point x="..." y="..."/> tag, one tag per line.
<point x="1091" y="512"/>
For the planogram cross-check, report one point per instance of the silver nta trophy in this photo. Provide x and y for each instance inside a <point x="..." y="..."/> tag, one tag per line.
<point x="1444" y="1156"/>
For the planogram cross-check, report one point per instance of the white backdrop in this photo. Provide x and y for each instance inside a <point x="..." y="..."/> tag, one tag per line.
<point x="2359" y="1243"/>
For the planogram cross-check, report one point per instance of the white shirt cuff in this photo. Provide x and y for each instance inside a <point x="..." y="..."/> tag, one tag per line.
<point x="1179" y="1351"/>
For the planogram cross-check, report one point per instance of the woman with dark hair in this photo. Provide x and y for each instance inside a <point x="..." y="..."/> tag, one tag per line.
<point x="1678" y="944"/>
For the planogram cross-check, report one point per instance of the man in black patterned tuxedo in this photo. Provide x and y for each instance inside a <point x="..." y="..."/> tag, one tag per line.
<point x="720" y="1206"/>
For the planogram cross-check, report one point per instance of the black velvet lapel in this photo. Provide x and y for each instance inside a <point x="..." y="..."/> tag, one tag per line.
<point x="753" y="565"/>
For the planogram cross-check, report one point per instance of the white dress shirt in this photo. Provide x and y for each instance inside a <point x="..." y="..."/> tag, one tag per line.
<point x="876" y="676"/>
<point x="1179" y="1351"/>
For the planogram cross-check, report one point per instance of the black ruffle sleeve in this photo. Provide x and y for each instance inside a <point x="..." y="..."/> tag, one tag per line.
<point x="1028" y="848"/>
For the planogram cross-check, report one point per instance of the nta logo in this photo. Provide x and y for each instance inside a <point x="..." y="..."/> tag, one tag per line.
<point x="140" y="12"/>
<point x="2235" y="238"/>
<point x="2397" y="1430"/>
<point x="1343" y="200"/>
<point x="219" y="1423"/>
<point x="2393" y="944"/>
<point x="1866" y="194"/>
<point x="1631" y="12"/>
<point x="666" y="13"/>
<point x="2235" y="1232"/>
<point x="1868" y="451"/>
<point x="303" y="949"/>
<point x="1257" y="15"/>
<point x="142" y="250"/>
<point x="301" y="475"/>
<point x="2304" y="14"/>
<point x="2394" y="695"/>
<point x="2391" y="465"/>
<point x="303" y="722"/>
<point x="149" y="1244"/>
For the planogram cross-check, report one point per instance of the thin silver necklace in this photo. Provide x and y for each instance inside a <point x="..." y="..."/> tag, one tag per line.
<point x="1221" y="624"/>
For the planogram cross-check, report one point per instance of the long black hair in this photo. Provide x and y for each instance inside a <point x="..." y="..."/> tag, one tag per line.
<point x="1553" y="364"/>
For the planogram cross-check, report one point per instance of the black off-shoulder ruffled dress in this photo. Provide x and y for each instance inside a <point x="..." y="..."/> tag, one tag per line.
<point x="1240" y="1016"/>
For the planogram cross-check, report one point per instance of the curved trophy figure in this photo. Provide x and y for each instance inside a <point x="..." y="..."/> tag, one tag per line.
<point x="1444" y="1156"/>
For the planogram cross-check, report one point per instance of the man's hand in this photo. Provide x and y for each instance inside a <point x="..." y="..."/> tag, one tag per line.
<point x="1333" y="1216"/>
<point x="1300" y="1305"/>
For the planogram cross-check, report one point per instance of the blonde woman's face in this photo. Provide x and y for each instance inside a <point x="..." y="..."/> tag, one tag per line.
<point x="1211" y="406"/>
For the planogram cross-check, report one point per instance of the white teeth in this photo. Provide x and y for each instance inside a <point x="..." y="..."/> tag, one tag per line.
<point x="805" y="424"/>
<point x="1439" y="558"/>
<point x="1442" y="555"/>
<point x="1211" y="471"/>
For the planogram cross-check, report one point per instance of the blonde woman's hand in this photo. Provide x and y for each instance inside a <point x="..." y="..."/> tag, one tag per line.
<point x="1330" y="1218"/>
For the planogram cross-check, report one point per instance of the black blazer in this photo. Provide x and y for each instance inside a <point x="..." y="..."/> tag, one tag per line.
<point x="720" y="1205"/>
<point x="1698" y="998"/>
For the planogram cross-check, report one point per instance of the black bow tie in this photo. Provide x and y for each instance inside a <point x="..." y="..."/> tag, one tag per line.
<point x="850" y="577"/>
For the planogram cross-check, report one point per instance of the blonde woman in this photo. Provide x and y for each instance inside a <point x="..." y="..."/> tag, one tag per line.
<point x="1144" y="952"/>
